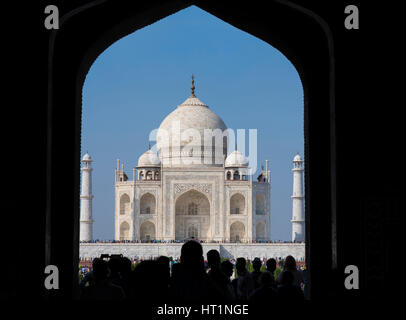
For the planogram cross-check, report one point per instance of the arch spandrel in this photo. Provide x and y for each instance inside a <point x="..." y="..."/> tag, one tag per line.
<point x="182" y="188"/>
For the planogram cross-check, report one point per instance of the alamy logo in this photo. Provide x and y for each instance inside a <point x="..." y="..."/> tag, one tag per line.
<point x="352" y="20"/>
<point x="352" y="280"/>
<point x="52" y="280"/>
<point x="52" y="20"/>
<point x="194" y="146"/>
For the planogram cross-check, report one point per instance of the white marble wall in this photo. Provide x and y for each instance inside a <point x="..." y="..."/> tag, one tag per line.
<point x="174" y="182"/>
<point x="227" y="250"/>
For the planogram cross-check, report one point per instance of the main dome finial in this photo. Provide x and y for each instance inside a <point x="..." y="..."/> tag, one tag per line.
<point x="193" y="87"/>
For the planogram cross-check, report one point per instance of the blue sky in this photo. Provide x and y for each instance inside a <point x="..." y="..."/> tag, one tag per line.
<point x="135" y="83"/>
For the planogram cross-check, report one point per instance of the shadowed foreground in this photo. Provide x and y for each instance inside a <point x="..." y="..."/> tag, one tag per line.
<point x="189" y="282"/>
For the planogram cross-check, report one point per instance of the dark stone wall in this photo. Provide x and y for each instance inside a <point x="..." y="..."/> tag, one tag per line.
<point x="353" y="133"/>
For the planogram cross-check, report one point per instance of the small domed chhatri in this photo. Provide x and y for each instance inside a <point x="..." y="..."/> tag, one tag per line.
<point x="86" y="157"/>
<point x="236" y="159"/>
<point x="149" y="159"/>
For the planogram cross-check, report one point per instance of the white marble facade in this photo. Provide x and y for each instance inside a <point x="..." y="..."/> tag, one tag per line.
<point x="168" y="199"/>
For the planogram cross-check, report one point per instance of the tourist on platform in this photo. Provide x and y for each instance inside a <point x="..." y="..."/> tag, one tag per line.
<point x="101" y="288"/>
<point x="271" y="267"/>
<point x="149" y="279"/>
<point x="118" y="267"/>
<point x="287" y="290"/>
<point x="165" y="265"/>
<point x="190" y="283"/>
<point x="256" y="265"/>
<point x="228" y="269"/>
<point x="266" y="292"/>
<point x="290" y="265"/>
<point x="243" y="284"/>
<point x="217" y="275"/>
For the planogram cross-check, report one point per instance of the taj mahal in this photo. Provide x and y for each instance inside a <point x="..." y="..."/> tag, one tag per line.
<point x="193" y="187"/>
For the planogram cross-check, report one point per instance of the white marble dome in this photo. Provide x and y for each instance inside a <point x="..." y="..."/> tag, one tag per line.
<point x="297" y="158"/>
<point x="86" y="157"/>
<point x="149" y="159"/>
<point x="191" y="114"/>
<point x="236" y="159"/>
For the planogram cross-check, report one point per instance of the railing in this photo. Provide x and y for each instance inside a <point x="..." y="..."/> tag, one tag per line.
<point x="201" y="241"/>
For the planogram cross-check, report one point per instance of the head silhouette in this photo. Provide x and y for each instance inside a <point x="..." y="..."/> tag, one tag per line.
<point x="290" y="264"/>
<point x="114" y="265"/>
<point x="271" y="265"/>
<point x="227" y="267"/>
<point x="125" y="266"/>
<point x="213" y="258"/>
<point x="100" y="269"/>
<point x="163" y="265"/>
<point x="191" y="256"/>
<point x="256" y="264"/>
<point x="240" y="265"/>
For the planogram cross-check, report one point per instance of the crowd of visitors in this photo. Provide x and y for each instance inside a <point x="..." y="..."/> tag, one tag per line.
<point x="191" y="280"/>
<point x="183" y="241"/>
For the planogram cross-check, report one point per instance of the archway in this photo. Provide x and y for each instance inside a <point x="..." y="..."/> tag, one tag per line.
<point x="125" y="204"/>
<point x="260" y="231"/>
<point x="308" y="45"/>
<point x="260" y="204"/>
<point x="147" y="204"/>
<point x="228" y="175"/>
<point x="149" y="175"/>
<point x="147" y="231"/>
<point x="237" y="204"/>
<point x="192" y="214"/>
<point x="192" y="232"/>
<point x="237" y="231"/>
<point x="124" y="231"/>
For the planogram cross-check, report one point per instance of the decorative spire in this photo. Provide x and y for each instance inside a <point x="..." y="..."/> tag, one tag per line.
<point x="193" y="87"/>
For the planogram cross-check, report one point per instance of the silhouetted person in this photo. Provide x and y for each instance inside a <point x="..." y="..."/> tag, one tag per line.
<point x="304" y="277"/>
<point x="120" y="273"/>
<point x="150" y="283"/>
<point x="256" y="265"/>
<point x="216" y="274"/>
<point x="244" y="284"/>
<point x="286" y="289"/>
<point x="190" y="281"/>
<point x="228" y="268"/>
<point x="175" y="272"/>
<point x="114" y="266"/>
<point x="266" y="292"/>
<point x="102" y="288"/>
<point x="164" y="264"/>
<point x="290" y="265"/>
<point x="271" y="267"/>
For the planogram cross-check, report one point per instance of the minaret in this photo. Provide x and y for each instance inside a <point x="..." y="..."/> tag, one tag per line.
<point x="298" y="223"/>
<point x="86" y="222"/>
